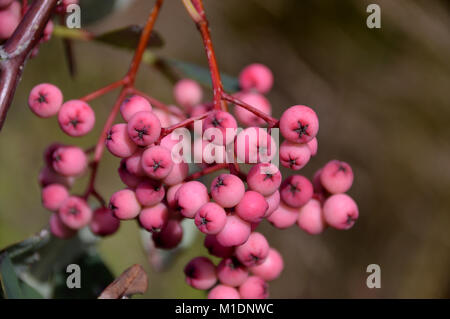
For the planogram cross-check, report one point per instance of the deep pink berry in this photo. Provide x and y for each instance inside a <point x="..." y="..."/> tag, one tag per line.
<point x="134" y="163"/>
<point x="336" y="177"/>
<point x="256" y="76"/>
<point x="124" y="204"/>
<point x="296" y="190"/>
<point x="284" y="216"/>
<point x="45" y="100"/>
<point x="271" y="268"/>
<point x="187" y="93"/>
<point x="190" y="197"/>
<point x="103" y="222"/>
<point x="235" y="232"/>
<point x="220" y="128"/>
<point x="157" y="162"/>
<point x="118" y="142"/>
<point x="216" y="249"/>
<point x="76" y="118"/>
<point x="227" y="190"/>
<point x="231" y="272"/>
<point x="200" y="273"/>
<point x="133" y="105"/>
<point x="210" y="218"/>
<point x="255" y="145"/>
<point x="264" y="178"/>
<point x="170" y="236"/>
<point x="178" y="174"/>
<point x="311" y="219"/>
<point x="9" y="19"/>
<point x="144" y="128"/>
<point x="299" y="124"/>
<point x="69" y="160"/>
<point x="254" y="288"/>
<point x="340" y="211"/>
<point x="254" y="251"/>
<point x="294" y="156"/>
<point x="223" y="292"/>
<point x="75" y="213"/>
<point x="154" y="218"/>
<point x="274" y="202"/>
<point x="59" y="229"/>
<point x="252" y="207"/>
<point x="53" y="196"/>
<point x="126" y="176"/>
<point x="256" y="100"/>
<point x="150" y="192"/>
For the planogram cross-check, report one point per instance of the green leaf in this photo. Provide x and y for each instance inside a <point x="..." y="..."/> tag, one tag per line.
<point x="10" y="283"/>
<point x="128" y="38"/>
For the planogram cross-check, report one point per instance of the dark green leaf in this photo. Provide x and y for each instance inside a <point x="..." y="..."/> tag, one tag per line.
<point x="128" y="38"/>
<point x="10" y="283"/>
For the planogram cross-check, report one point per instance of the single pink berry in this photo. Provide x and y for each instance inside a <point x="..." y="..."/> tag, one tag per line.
<point x="126" y="176"/>
<point x="254" y="145"/>
<point x="337" y="177"/>
<point x="274" y="202"/>
<point x="157" y="162"/>
<point x="75" y="213"/>
<point x="59" y="229"/>
<point x="170" y="236"/>
<point x="69" y="160"/>
<point x="294" y="156"/>
<point x="144" y="128"/>
<point x="9" y="19"/>
<point x="256" y="100"/>
<point x="154" y="218"/>
<point x="313" y="145"/>
<point x="187" y="93"/>
<point x="177" y="175"/>
<point x="210" y="218"/>
<point x="200" y="273"/>
<point x="118" y="142"/>
<point x="231" y="272"/>
<point x="150" y="192"/>
<point x="271" y="268"/>
<point x="76" y="118"/>
<point x="235" y="232"/>
<point x="103" y="222"/>
<point x="256" y="76"/>
<point x="124" y="204"/>
<point x="227" y="190"/>
<point x="223" y="292"/>
<point x="299" y="124"/>
<point x="190" y="197"/>
<point x="340" y="211"/>
<point x="133" y="105"/>
<point x="220" y="128"/>
<point x="252" y="207"/>
<point x="53" y="196"/>
<point x="45" y="100"/>
<point x="254" y="288"/>
<point x="134" y="163"/>
<point x="47" y="176"/>
<point x="216" y="249"/>
<point x="310" y="218"/>
<point x="264" y="178"/>
<point x="254" y="251"/>
<point x="284" y="216"/>
<point x="296" y="190"/>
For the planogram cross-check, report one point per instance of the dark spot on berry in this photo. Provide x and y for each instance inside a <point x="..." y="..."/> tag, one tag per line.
<point x="301" y="129"/>
<point x="190" y="271"/>
<point x="42" y="98"/>
<point x="73" y="211"/>
<point x="141" y="132"/>
<point x="293" y="188"/>
<point x="156" y="165"/>
<point x="112" y="206"/>
<point x="219" y="182"/>
<point x="268" y="176"/>
<point x="74" y="122"/>
<point x="204" y="221"/>
<point x="216" y="122"/>
<point x="342" y="168"/>
<point x="109" y="136"/>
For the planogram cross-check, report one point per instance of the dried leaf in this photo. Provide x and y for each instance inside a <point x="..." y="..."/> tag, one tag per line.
<point x="132" y="281"/>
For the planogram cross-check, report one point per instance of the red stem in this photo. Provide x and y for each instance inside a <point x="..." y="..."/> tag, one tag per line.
<point x="104" y="90"/>
<point x="166" y="131"/>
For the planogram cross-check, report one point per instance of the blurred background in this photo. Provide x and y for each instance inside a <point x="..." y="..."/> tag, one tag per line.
<point x="382" y="96"/>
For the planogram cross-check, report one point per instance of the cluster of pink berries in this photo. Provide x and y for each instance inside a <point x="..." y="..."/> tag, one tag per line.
<point x="160" y="194"/>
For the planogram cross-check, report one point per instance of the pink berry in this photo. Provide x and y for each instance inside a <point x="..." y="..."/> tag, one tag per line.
<point x="227" y="190"/>
<point x="210" y="218"/>
<point x="274" y="202"/>
<point x="124" y="204"/>
<point x="9" y="19"/>
<point x="294" y="156"/>
<point x="133" y="105"/>
<point x="118" y="142"/>
<point x="271" y="268"/>
<point x="256" y="76"/>
<point x="216" y="249"/>
<point x="76" y="118"/>
<point x="209" y="153"/>
<point x="45" y="100"/>
<point x="299" y="124"/>
<point x="170" y="197"/>
<point x="53" y="196"/>
<point x="200" y="273"/>
<point x="190" y="197"/>
<point x="154" y="218"/>
<point x="126" y="177"/>
<point x="75" y="212"/>
<point x="48" y="176"/>
<point x="59" y="229"/>
<point x="170" y="236"/>
<point x="296" y="190"/>
<point x="178" y="173"/>
<point x="223" y="292"/>
<point x="171" y="142"/>
<point x="48" y="153"/>
<point x="254" y="288"/>
<point x="69" y="160"/>
<point x="310" y="218"/>
<point x="231" y="272"/>
<point x="220" y="128"/>
<point x="134" y="163"/>
<point x="256" y="100"/>
<point x="157" y="162"/>
<point x="188" y="93"/>
<point x="313" y="146"/>
<point x="150" y="192"/>
<point x="264" y="178"/>
<point x="284" y="216"/>
<point x="235" y="232"/>
<point x="254" y="251"/>
<point x="340" y="211"/>
<point x="254" y="145"/>
<point x="144" y="128"/>
<point x="103" y="222"/>
<point x="337" y="177"/>
<point x="252" y="207"/>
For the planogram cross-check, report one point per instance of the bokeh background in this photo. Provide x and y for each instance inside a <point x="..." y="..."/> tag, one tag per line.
<point x="382" y="96"/>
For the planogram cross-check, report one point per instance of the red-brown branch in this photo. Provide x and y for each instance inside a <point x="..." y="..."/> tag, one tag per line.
<point x="166" y="131"/>
<point x="102" y="91"/>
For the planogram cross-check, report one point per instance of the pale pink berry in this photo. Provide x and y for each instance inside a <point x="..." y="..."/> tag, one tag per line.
<point x="126" y="177"/>
<point x="200" y="273"/>
<point x="178" y="174"/>
<point x="313" y="145"/>
<point x="256" y="100"/>
<point x="124" y="204"/>
<point x="256" y="76"/>
<point x="53" y="196"/>
<point x="170" y="236"/>
<point x="76" y="118"/>
<point x="296" y="190"/>
<point x="150" y="192"/>
<point x="134" y="163"/>
<point x="254" y="145"/>
<point x="118" y="142"/>
<point x="264" y="178"/>
<point x="231" y="272"/>
<point x="336" y="177"/>
<point x="157" y="162"/>
<point x="69" y="160"/>
<point x="190" y="197"/>
<point x="227" y="190"/>
<point x="210" y="218"/>
<point x="209" y="153"/>
<point x="223" y="292"/>
<point x="45" y="100"/>
<point x="187" y="93"/>
<point x="340" y="211"/>
<point x="284" y="216"/>
<point x="215" y="248"/>
<point x="144" y="128"/>
<point x="47" y="176"/>
<point x="9" y="19"/>
<point x="271" y="268"/>
<point x="299" y="124"/>
<point x="154" y="218"/>
<point x="274" y="202"/>
<point x="254" y="251"/>
<point x="103" y="222"/>
<point x="220" y="128"/>
<point x="254" y="288"/>
<point x="59" y="229"/>
<point x="252" y="207"/>
<point x="310" y="218"/>
<point x="235" y="232"/>
<point x="75" y="213"/>
<point x="294" y="156"/>
<point x="133" y="105"/>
